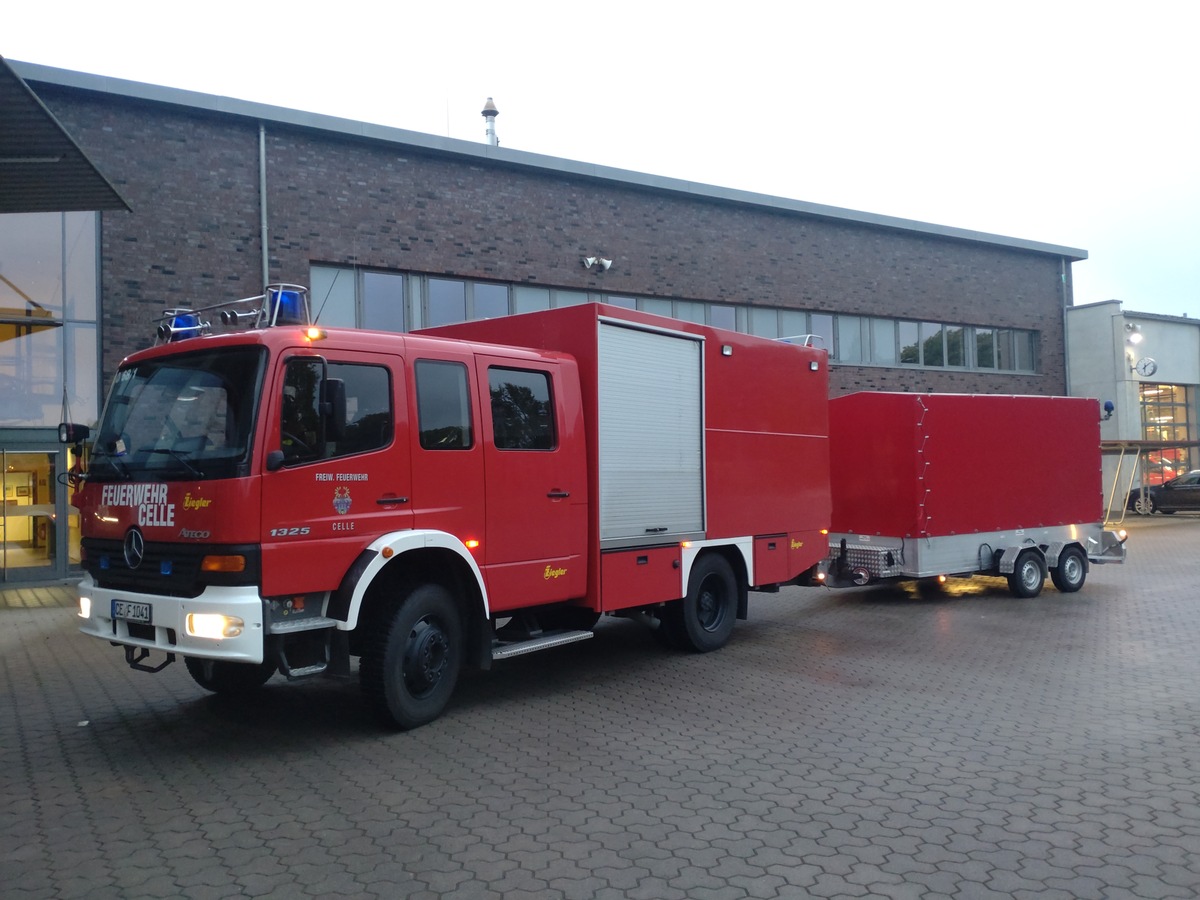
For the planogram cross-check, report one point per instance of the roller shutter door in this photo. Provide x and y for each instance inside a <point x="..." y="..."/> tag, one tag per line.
<point x="651" y="436"/>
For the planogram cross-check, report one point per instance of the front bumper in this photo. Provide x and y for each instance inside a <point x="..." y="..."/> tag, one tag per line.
<point x="167" y="629"/>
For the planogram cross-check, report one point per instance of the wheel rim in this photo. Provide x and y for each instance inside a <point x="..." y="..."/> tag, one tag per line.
<point x="710" y="605"/>
<point x="1072" y="569"/>
<point x="1031" y="575"/>
<point x="425" y="657"/>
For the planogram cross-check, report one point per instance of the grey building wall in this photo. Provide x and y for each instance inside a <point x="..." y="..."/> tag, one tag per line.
<point x="190" y="174"/>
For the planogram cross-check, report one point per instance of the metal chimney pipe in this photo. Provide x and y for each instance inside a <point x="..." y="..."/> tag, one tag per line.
<point x="490" y="112"/>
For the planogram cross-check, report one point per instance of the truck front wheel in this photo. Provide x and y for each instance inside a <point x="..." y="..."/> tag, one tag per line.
<point x="1028" y="575"/>
<point x="703" y="620"/>
<point x="1070" y="573"/>
<point x="228" y="678"/>
<point x="410" y="665"/>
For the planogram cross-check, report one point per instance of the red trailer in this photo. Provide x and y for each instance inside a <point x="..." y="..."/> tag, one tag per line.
<point x="287" y="498"/>
<point x="926" y="485"/>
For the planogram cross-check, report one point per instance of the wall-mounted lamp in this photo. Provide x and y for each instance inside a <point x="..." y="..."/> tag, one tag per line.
<point x="1133" y="333"/>
<point x="589" y="261"/>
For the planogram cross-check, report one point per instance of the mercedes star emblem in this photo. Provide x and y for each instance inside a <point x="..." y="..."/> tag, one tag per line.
<point x="135" y="548"/>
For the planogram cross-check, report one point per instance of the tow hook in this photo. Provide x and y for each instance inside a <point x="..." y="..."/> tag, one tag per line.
<point x="135" y="655"/>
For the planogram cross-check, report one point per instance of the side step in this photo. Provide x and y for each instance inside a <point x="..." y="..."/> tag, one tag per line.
<point x="542" y="642"/>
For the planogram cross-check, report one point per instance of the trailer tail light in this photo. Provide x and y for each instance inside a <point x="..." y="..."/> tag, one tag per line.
<point x="214" y="626"/>
<point x="228" y="563"/>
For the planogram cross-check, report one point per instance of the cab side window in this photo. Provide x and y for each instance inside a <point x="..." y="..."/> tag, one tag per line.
<point x="522" y="409"/>
<point x="443" y="405"/>
<point x="308" y="429"/>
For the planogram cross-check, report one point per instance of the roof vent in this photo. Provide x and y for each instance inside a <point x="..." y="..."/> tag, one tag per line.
<point x="490" y="112"/>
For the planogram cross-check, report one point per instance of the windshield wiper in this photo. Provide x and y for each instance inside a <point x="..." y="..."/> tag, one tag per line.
<point x="99" y="453"/>
<point x="175" y="455"/>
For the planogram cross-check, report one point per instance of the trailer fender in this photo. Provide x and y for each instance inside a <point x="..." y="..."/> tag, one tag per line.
<point x="1008" y="559"/>
<point x="388" y="548"/>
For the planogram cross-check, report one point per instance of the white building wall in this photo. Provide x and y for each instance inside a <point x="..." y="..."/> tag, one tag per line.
<point x="1102" y="363"/>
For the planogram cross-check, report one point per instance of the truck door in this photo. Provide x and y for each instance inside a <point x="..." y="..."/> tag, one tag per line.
<point x="535" y="482"/>
<point x="344" y="476"/>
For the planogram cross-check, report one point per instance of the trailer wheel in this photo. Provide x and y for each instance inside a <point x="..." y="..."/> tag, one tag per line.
<point x="410" y="666"/>
<point x="703" y="620"/>
<point x="1028" y="575"/>
<point x="228" y="678"/>
<point x="1070" y="573"/>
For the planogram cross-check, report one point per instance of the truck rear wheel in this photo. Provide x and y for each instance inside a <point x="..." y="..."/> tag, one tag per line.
<point x="1070" y="573"/>
<point x="410" y="665"/>
<point x="228" y="678"/>
<point x="1029" y="574"/>
<point x="703" y="620"/>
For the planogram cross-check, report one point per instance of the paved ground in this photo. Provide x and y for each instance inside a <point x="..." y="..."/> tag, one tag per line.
<point x="872" y="743"/>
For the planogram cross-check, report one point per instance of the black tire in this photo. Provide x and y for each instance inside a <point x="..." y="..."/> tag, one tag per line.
<point x="410" y="664"/>
<point x="228" y="678"/>
<point x="1071" y="572"/>
<point x="703" y="620"/>
<point x="1029" y="574"/>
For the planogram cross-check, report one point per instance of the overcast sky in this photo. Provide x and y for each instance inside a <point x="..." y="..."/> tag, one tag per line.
<point x="1072" y="123"/>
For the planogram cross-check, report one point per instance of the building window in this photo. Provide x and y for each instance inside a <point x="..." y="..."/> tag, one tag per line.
<point x="883" y="342"/>
<point x="390" y="301"/>
<point x="383" y="301"/>
<point x="48" y="303"/>
<point x="1168" y="416"/>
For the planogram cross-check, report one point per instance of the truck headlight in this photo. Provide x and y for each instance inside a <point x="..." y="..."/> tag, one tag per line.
<point x="85" y="607"/>
<point x="214" y="626"/>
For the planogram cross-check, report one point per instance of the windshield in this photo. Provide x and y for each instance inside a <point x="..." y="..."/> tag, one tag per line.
<point x="180" y="417"/>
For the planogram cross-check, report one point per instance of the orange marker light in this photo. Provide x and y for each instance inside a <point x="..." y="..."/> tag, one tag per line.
<point x="472" y="544"/>
<point x="235" y="563"/>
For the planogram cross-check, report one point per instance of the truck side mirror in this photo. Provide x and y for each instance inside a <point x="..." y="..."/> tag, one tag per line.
<point x="72" y="433"/>
<point x="333" y="408"/>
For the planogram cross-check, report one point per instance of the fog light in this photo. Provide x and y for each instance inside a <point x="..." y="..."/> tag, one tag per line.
<point x="85" y="607"/>
<point x="214" y="626"/>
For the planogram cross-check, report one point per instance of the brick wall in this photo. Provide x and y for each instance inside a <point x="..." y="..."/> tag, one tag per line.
<point x="192" y="181"/>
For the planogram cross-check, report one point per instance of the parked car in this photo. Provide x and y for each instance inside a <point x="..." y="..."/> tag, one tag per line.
<point x="1169" y="497"/>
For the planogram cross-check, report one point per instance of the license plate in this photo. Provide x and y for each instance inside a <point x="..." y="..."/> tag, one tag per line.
<point x="131" y="612"/>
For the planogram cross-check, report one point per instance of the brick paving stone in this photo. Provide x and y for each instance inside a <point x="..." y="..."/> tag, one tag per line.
<point x="877" y="742"/>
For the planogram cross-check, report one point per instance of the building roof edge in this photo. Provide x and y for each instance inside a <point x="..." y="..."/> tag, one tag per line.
<point x="40" y="74"/>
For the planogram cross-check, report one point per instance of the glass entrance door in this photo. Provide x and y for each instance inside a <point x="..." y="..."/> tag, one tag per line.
<point x="29" y="535"/>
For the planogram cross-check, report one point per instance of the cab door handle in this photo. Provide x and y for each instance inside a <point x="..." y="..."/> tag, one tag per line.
<point x="385" y="501"/>
<point x="558" y="495"/>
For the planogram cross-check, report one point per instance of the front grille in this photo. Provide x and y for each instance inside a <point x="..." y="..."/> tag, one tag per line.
<point x="172" y="570"/>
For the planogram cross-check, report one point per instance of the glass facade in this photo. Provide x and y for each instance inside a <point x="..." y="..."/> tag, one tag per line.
<point x="49" y="370"/>
<point x="1168" y="414"/>
<point x="411" y="301"/>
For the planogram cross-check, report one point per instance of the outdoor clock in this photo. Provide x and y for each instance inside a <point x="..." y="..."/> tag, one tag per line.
<point x="1146" y="366"/>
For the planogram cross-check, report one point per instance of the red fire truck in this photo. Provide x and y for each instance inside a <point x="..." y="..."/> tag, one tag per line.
<point x="926" y="486"/>
<point x="284" y="497"/>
